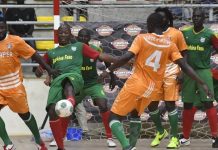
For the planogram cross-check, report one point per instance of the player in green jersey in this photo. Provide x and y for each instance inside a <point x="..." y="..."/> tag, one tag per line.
<point x="92" y="87"/>
<point x="200" y="41"/>
<point x="67" y="58"/>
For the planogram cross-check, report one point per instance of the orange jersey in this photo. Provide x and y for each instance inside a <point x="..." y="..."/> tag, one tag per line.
<point x="152" y="52"/>
<point x="12" y="48"/>
<point x="176" y="37"/>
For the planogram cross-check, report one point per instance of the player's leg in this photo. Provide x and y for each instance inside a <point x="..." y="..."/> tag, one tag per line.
<point x="123" y="104"/>
<point x="155" y="117"/>
<point x="3" y="133"/>
<point x="17" y="102"/>
<point x="189" y="96"/>
<point x="135" y="127"/>
<point x="80" y="113"/>
<point x="171" y="95"/>
<point x="173" y="119"/>
<point x="97" y="94"/>
<point x="208" y="105"/>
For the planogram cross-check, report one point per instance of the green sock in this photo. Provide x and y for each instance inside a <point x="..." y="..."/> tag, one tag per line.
<point x="135" y="128"/>
<point x="173" y="119"/>
<point x="32" y="125"/>
<point x="3" y="133"/>
<point x="155" y="116"/>
<point x="118" y="131"/>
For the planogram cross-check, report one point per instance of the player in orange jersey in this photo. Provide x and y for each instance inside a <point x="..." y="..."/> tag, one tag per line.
<point x="12" y="91"/>
<point x="170" y="91"/>
<point x="152" y="51"/>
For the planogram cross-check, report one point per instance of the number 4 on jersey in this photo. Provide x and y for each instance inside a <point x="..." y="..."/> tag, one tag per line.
<point x="154" y="60"/>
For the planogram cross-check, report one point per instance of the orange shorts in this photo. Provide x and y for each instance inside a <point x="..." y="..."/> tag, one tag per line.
<point x="169" y="91"/>
<point x="15" y="99"/>
<point x="126" y="102"/>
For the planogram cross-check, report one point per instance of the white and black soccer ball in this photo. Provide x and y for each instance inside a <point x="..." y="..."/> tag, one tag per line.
<point x="64" y="108"/>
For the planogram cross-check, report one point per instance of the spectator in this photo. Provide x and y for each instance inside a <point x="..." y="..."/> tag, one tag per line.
<point x="81" y="11"/>
<point x="21" y="14"/>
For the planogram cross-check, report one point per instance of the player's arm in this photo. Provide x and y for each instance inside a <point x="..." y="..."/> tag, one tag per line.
<point x="44" y="64"/>
<point x="214" y="41"/>
<point x="91" y="53"/>
<point x="40" y="70"/>
<point x="187" y="69"/>
<point x="130" y="54"/>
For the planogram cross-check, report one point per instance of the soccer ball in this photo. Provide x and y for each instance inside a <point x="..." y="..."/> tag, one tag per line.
<point x="64" y="108"/>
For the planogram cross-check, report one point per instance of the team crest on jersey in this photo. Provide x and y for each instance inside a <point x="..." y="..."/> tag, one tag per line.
<point x="202" y="40"/>
<point x="9" y="46"/>
<point x="73" y="48"/>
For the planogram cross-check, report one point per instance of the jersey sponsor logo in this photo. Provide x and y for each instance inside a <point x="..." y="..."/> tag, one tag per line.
<point x="86" y="68"/>
<point x="62" y="58"/>
<point x="195" y="48"/>
<point x="152" y="40"/>
<point x="132" y="30"/>
<point x="6" y="54"/>
<point x="73" y="48"/>
<point x="202" y="40"/>
<point x="75" y="30"/>
<point x="105" y="30"/>
<point x="120" y="44"/>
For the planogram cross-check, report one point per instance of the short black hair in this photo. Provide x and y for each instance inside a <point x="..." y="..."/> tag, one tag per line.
<point x="86" y="31"/>
<point x="202" y="10"/>
<point x="167" y="12"/>
<point x="155" y="19"/>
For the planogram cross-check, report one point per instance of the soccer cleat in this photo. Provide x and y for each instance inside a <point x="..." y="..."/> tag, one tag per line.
<point x="111" y="143"/>
<point x="174" y="143"/>
<point x="42" y="146"/>
<point x="53" y="144"/>
<point x="9" y="147"/>
<point x="184" y="141"/>
<point x="215" y="142"/>
<point x="158" y="138"/>
<point x="130" y="148"/>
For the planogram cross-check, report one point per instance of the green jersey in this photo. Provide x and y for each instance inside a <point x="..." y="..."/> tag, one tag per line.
<point x="199" y="47"/>
<point x="89" y="70"/>
<point x="67" y="59"/>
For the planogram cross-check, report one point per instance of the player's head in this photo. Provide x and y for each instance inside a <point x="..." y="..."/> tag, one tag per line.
<point x="198" y="16"/>
<point x="155" y="22"/>
<point x="167" y="14"/>
<point x="64" y="34"/>
<point x="3" y="27"/>
<point x="84" y="36"/>
<point x="20" y="2"/>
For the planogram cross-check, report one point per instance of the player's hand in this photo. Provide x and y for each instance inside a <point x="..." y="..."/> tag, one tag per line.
<point x="180" y="78"/>
<point x="208" y="91"/>
<point x="47" y="81"/>
<point x="103" y="76"/>
<point x="39" y="72"/>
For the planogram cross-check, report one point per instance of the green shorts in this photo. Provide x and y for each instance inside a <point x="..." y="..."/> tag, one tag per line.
<point x="95" y="92"/>
<point x="193" y="92"/>
<point x="215" y="85"/>
<point x="56" y="89"/>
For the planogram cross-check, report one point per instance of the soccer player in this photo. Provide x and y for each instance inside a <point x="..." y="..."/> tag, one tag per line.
<point x="200" y="40"/>
<point x="170" y="92"/>
<point x="67" y="58"/>
<point x="152" y="51"/>
<point x="92" y="87"/>
<point x="12" y="91"/>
